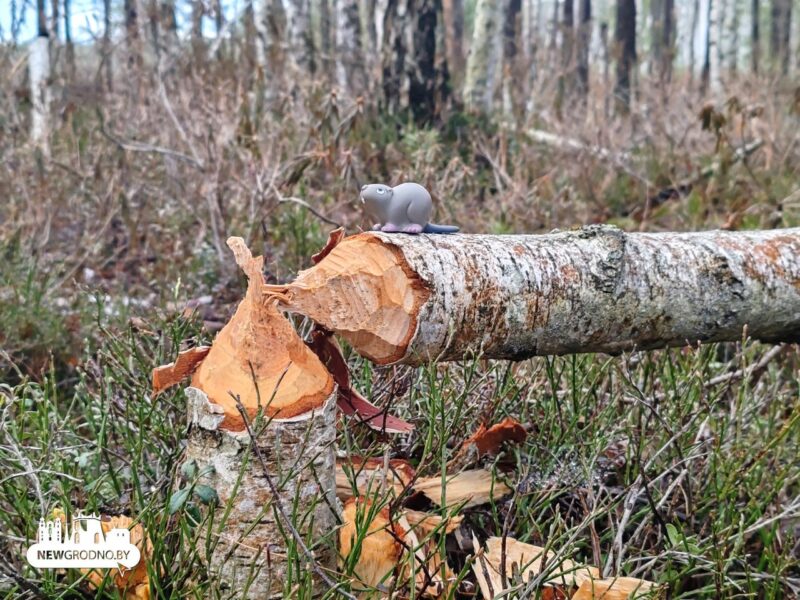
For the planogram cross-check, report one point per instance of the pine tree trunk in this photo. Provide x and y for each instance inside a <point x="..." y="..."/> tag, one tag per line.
<point x="410" y="299"/>
<point x="625" y="41"/>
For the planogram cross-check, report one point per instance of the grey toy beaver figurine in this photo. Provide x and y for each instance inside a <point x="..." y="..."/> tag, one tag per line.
<point x="405" y="208"/>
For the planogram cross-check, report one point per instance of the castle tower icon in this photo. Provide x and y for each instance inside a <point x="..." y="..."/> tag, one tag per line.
<point x="86" y="529"/>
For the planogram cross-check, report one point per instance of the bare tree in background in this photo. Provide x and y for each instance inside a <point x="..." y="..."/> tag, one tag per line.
<point x="511" y="45"/>
<point x="484" y="54"/>
<point x="423" y="76"/>
<point x="453" y="11"/>
<point x="584" y="44"/>
<point x="198" y="43"/>
<point x="755" y="35"/>
<point x="733" y="56"/>
<point x="625" y="50"/>
<point x="106" y="46"/>
<point x="132" y="32"/>
<point x="705" y="79"/>
<point x="70" y="47"/>
<point x="301" y="43"/>
<point x="269" y="19"/>
<point x="567" y="73"/>
<point x="322" y="36"/>
<point x="350" y="72"/>
<point x="39" y="75"/>
<point x="780" y="34"/>
<point x="693" y="36"/>
<point x="394" y="52"/>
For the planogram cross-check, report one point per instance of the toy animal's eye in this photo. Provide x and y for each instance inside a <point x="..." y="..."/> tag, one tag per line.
<point x="381" y="190"/>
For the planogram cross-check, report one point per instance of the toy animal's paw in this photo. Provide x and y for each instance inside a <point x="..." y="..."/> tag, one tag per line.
<point x="390" y="228"/>
<point x="376" y="227"/>
<point x="412" y="228"/>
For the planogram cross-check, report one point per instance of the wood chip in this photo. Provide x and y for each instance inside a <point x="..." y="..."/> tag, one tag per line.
<point x="166" y="376"/>
<point x="524" y="562"/>
<point x="467" y="488"/>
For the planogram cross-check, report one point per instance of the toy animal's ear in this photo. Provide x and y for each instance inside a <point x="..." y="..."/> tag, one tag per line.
<point x="390" y="191"/>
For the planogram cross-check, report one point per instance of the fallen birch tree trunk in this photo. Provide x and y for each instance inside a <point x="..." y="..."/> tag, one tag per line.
<point x="405" y="298"/>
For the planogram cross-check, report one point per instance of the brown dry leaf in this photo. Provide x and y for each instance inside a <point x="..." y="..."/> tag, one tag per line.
<point x="433" y="577"/>
<point x="620" y="588"/>
<point x="259" y="357"/>
<point x="380" y="549"/>
<point x="426" y="523"/>
<point x="370" y="475"/>
<point x="166" y="376"/>
<point x="487" y="442"/>
<point x="470" y="488"/>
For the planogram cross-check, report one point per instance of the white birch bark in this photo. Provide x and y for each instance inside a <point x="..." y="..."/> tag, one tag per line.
<point x="597" y="289"/>
<point x="484" y="56"/>
<point x="39" y="75"/>
<point x="349" y="59"/>
<point x="249" y="549"/>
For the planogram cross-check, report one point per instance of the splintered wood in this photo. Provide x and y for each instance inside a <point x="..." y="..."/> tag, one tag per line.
<point x="363" y="291"/>
<point x="415" y="298"/>
<point x="259" y="358"/>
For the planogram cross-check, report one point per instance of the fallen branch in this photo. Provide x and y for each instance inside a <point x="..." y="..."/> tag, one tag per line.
<point x="403" y="298"/>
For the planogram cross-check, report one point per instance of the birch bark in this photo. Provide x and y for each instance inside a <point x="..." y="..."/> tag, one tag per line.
<point x="248" y="554"/>
<point x="410" y="299"/>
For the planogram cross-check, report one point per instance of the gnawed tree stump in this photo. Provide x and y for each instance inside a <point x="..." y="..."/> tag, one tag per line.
<point x="251" y="545"/>
<point x="413" y="298"/>
<point x="262" y="424"/>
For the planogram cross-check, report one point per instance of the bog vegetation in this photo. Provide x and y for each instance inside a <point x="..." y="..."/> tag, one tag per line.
<point x="130" y="157"/>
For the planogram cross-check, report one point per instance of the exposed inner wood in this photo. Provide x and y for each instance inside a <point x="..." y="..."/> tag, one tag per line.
<point x="364" y="291"/>
<point x="259" y="357"/>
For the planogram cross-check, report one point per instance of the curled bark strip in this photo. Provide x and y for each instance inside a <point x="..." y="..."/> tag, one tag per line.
<point x="411" y="299"/>
<point x="487" y="441"/>
<point x="351" y="402"/>
<point x="334" y="237"/>
<point x="166" y="376"/>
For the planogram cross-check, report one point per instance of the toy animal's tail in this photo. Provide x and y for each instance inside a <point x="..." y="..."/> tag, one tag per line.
<point x="434" y="228"/>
